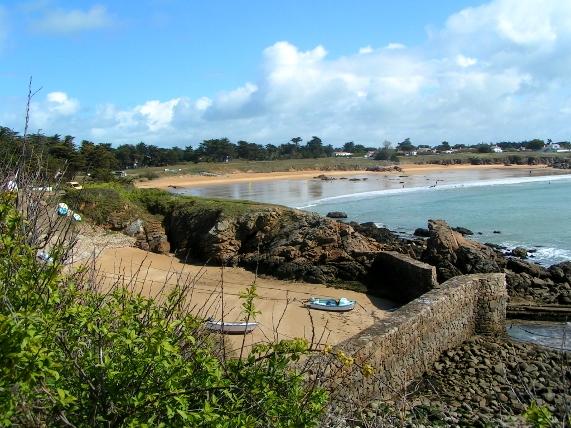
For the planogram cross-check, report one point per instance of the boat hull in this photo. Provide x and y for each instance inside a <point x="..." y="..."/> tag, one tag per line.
<point x="330" y="305"/>
<point x="231" y="327"/>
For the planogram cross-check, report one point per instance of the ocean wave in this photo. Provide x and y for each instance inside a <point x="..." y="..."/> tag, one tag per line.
<point x="543" y="255"/>
<point x="437" y="188"/>
<point x="549" y="256"/>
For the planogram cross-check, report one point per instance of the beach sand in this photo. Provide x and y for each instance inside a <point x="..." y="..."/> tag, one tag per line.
<point x="276" y="298"/>
<point x="279" y="300"/>
<point x="189" y="181"/>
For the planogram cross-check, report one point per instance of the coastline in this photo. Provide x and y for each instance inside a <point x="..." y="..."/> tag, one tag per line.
<point x="189" y="181"/>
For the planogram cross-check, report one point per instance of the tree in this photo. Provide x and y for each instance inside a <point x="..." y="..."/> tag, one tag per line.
<point x="443" y="147"/>
<point x="313" y="148"/>
<point x="483" y="148"/>
<point x="406" y="146"/>
<point x="535" y="144"/>
<point x="349" y="147"/>
<point x="250" y="151"/>
<point x="296" y="141"/>
<point x="217" y="150"/>
<point x="386" y="152"/>
<point x="272" y="152"/>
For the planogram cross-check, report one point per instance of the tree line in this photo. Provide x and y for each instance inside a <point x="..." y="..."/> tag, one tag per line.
<point x="62" y="154"/>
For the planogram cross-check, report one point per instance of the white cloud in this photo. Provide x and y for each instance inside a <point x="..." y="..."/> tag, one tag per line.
<point x="56" y="106"/>
<point x="464" y="61"/>
<point x="493" y="72"/>
<point x="71" y="21"/>
<point x="366" y="50"/>
<point x="60" y="103"/>
<point x="393" y="46"/>
<point x="157" y="115"/>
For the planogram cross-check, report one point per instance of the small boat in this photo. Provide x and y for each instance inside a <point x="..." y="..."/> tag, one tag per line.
<point x="330" y="304"/>
<point x="231" y="327"/>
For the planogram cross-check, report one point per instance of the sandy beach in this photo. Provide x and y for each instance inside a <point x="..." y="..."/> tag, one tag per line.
<point x="277" y="299"/>
<point x="189" y="181"/>
<point x="280" y="302"/>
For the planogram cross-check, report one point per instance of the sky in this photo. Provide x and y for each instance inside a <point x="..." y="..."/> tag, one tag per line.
<point x="176" y="72"/>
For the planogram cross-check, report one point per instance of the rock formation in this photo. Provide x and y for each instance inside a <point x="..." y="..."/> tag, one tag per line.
<point x="288" y="244"/>
<point x="454" y="255"/>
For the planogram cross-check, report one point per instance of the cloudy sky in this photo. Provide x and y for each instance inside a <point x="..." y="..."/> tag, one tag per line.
<point x="174" y="72"/>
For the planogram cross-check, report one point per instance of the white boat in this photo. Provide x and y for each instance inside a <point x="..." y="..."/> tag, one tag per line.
<point x="231" y="327"/>
<point x="330" y="304"/>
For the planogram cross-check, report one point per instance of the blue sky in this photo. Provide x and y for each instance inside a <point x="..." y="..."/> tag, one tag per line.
<point x="175" y="72"/>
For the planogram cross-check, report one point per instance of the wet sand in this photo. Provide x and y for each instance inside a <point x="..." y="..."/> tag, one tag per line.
<point x="277" y="299"/>
<point x="304" y="192"/>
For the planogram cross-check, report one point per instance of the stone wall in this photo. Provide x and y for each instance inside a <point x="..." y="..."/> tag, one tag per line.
<point x="400" y="277"/>
<point x="404" y="346"/>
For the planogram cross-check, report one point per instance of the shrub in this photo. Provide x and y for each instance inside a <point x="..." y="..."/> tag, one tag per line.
<point x="149" y="175"/>
<point x="71" y="354"/>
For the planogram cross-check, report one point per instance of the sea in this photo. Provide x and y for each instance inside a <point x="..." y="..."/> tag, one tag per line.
<point x="509" y="207"/>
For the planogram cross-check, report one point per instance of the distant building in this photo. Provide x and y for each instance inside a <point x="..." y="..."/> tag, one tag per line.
<point x="424" y="150"/>
<point x="343" y="154"/>
<point x="552" y="147"/>
<point x="497" y="149"/>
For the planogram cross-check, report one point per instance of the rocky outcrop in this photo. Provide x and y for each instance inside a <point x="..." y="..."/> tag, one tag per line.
<point x="336" y="214"/>
<point x="462" y="230"/>
<point x="390" y="240"/>
<point x="150" y="235"/>
<point x="285" y="243"/>
<point x="422" y="232"/>
<point x="454" y="255"/>
<point x="534" y="283"/>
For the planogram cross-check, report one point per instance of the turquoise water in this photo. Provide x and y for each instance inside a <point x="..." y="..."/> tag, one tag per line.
<point x="535" y="215"/>
<point x="529" y="209"/>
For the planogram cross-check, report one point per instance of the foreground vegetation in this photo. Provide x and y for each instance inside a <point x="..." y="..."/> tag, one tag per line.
<point x="77" y="352"/>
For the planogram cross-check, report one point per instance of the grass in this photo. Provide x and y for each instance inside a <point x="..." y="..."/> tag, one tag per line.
<point x="511" y="157"/>
<point x="104" y="203"/>
<point x="322" y="164"/>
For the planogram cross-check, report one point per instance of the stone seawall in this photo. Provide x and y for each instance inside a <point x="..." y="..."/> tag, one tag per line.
<point x="404" y="346"/>
<point x="400" y="277"/>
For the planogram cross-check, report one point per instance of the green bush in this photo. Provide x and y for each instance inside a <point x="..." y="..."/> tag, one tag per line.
<point x="149" y="175"/>
<point x="73" y="355"/>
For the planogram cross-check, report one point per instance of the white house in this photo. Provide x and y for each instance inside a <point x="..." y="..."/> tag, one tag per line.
<point x="497" y="149"/>
<point x="343" y="154"/>
<point x="552" y="147"/>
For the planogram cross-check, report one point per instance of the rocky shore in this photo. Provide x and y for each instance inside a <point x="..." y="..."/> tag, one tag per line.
<point x="292" y="244"/>
<point x="484" y="382"/>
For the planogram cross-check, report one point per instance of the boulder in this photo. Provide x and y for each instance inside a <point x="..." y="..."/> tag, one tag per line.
<point x="134" y="228"/>
<point x="337" y="214"/>
<point x="519" y="252"/>
<point x="453" y="255"/>
<point x="422" y="232"/>
<point x="561" y="272"/>
<point x="532" y="269"/>
<point x="464" y="231"/>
